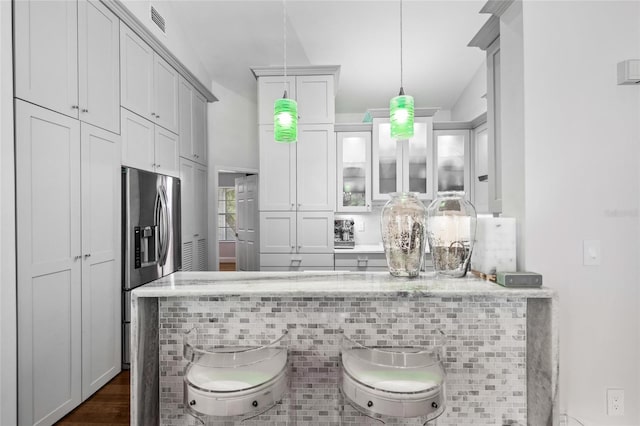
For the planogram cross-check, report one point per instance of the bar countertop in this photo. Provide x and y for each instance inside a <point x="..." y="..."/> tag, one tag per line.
<point x="327" y="284"/>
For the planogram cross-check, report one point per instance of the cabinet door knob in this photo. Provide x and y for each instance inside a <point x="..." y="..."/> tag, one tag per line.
<point x="87" y="255"/>
<point x="85" y="110"/>
<point x="75" y="107"/>
<point x="157" y="116"/>
<point x="293" y="247"/>
<point x="196" y="235"/>
<point x="153" y="114"/>
<point x="77" y="257"/>
<point x="158" y="165"/>
<point x="299" y="247"/>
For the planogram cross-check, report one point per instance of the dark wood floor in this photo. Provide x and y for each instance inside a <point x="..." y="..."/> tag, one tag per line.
<point x="108" y="406"/>
<point x="227" y="266"/>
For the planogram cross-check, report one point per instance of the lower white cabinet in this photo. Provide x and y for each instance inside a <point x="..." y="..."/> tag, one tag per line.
<point x="365" y="262"/>
<point x="296" y="262"/>
<point x="147" y="146"/>
<point x="68" y="250"/>
<point x="193" y="188"/>
<point x="296" y="232"/>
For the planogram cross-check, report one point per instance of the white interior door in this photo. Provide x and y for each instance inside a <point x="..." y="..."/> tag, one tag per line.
<point x="247" y="247"/>
<point x="49" y="265"/>
<point x="101" y="283"/>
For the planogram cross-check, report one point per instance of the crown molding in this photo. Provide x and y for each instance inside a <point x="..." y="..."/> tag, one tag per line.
<point x="489" y="32"/>
<point x="479" y="120"/>
<point x="276" y="71"/>
<point x="353" y="127"/>
<point x="496" y="7"/>
<point x="125" y="15"/>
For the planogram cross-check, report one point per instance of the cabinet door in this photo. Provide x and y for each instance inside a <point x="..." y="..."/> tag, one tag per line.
<point x="137" y="141"/>
<point x="165" y="93"/>
<point x="167" y="152"/>
<point x="452" y="161"/>
<point x="49" y="265"/>
<point x="270" y="89"/>
<point x="99" y="65"/>
<point x="417" y="159"/>
<point x="316" y="168"/>
<point x="278" y="232"/>
<point x="277" y="173"/>
<point x="386" y="161"/>
<point x="354" y="171"/>
<point x="185" y="105"/>
<point x="187" y="170"/>
<point x="46" y="54"/>
<point x="316" y="99"/>
<point x="200" y="216"/>
<point x="136" y="73"/>
<point x="480" y="177"/>
<point x="101" y="274"/>
<point x="199" y="125"/>
<point x="315" y="232"/>
<point x="494" y="106"/>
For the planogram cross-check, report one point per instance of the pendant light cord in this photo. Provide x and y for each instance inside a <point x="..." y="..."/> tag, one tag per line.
<point x="401" y="67"/>
<point x="284" y="38"/>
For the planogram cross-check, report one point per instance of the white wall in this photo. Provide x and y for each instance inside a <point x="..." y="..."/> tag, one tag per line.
<point x="472" y="101"/>
<point x="8" y="337"/>
<point x="174" y="39"/>
<point x="348" y="117"/>
<point x="581" y="162"/>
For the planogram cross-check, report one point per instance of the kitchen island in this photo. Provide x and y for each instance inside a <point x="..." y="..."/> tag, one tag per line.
<point x="500" y="351"/>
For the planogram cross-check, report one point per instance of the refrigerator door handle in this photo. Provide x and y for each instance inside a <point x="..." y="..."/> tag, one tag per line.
<point x="158" y="214"/>
<point x="164" y="225"/>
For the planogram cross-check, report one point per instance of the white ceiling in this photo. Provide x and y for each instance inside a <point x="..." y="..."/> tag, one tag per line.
<point x="361" y="36"/>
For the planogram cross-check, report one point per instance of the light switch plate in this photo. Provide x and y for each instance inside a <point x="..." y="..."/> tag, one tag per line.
<point x="592" y="253"/>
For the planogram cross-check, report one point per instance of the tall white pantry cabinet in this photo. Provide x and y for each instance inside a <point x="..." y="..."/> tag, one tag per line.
<point x="297" y="181"/>
<point x="73" y="131"/>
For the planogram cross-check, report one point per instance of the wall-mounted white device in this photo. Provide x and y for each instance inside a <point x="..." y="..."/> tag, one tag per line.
<point x="629" y="71"/>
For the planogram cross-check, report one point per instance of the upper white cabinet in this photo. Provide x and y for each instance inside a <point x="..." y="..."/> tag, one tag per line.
<point x="403" y="166"/>
<point x="494" y="127"/>
<point x="354" y="169"/>
<point x="452" y="161"/>
<point x="69" y="289"/>
<point x="147" y="146"/>
<point x="480" y="177"/>
<point x="313" y="93"/>
<point x="67" y="59"/>
<point x="193" y="123"/>
<point x="298" y="176"/>
<point x="149" y="86"/>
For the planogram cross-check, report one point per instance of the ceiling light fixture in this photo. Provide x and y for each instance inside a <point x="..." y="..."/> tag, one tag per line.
<point x="285" y="110"/>
<point x="401" y="107"/>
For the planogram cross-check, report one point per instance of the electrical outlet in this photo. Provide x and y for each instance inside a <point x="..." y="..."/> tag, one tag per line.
<point x="615" y="402"/>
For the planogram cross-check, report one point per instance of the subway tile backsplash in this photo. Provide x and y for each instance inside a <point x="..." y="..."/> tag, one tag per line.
<point x="484" y="355"/>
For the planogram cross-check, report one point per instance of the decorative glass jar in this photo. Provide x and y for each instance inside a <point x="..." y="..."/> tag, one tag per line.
<point x="403" y="224"/>
<point x="451" y="231"/>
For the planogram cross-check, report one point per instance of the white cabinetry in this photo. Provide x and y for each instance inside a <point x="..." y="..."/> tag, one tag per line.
<point x="68" y="197"/>
<point x="149" y="84"/>
<point x="298" y="176"/>
<point x="147" y="146"/>
<point x="313" y="93"/>
<point x="403" y="166"/>
<point x="193" y="187"/>
<point x="452" y="161"/>
<point x="494" y="127"/>
<point x="297" y="180"/>
<point x="67" y="59"/>
<point x="353" y="168"/>
<point x="193" y="123"/>
<point x="361" y="262"/>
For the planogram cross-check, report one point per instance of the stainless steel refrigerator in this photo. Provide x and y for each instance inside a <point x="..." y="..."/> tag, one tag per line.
<point x="151" y="242"/>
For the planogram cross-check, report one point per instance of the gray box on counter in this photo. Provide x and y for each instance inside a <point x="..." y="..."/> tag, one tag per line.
<point x="519" y="279"/>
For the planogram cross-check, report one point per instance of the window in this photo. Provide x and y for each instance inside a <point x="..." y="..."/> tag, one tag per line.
<point x="226" y="214"/>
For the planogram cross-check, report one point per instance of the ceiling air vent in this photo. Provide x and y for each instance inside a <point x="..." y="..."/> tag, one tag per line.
<point x="158" y="19"/>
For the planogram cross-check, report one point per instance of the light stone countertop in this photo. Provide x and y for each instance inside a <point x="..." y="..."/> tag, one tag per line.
<point x="326" y="284"/>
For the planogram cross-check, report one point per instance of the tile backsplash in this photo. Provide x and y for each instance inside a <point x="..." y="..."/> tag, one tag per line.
<point x="484" y="354"/>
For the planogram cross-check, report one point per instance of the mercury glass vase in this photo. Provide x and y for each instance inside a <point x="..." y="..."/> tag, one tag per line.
<point x="403" y="225"/>
<point x="451" y="231"/>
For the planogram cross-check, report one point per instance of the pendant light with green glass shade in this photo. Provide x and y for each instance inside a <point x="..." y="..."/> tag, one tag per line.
<point x="285" y="110"/>
<point x="401" y="107"/>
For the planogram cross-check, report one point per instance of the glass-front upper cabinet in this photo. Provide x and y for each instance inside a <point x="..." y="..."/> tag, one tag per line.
<point x="354" y="168"/>
<point x="404" y="165"/>
<point x="452" y="156"/>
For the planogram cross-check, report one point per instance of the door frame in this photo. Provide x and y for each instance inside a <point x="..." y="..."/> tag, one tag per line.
<point x="213" y="236"/>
